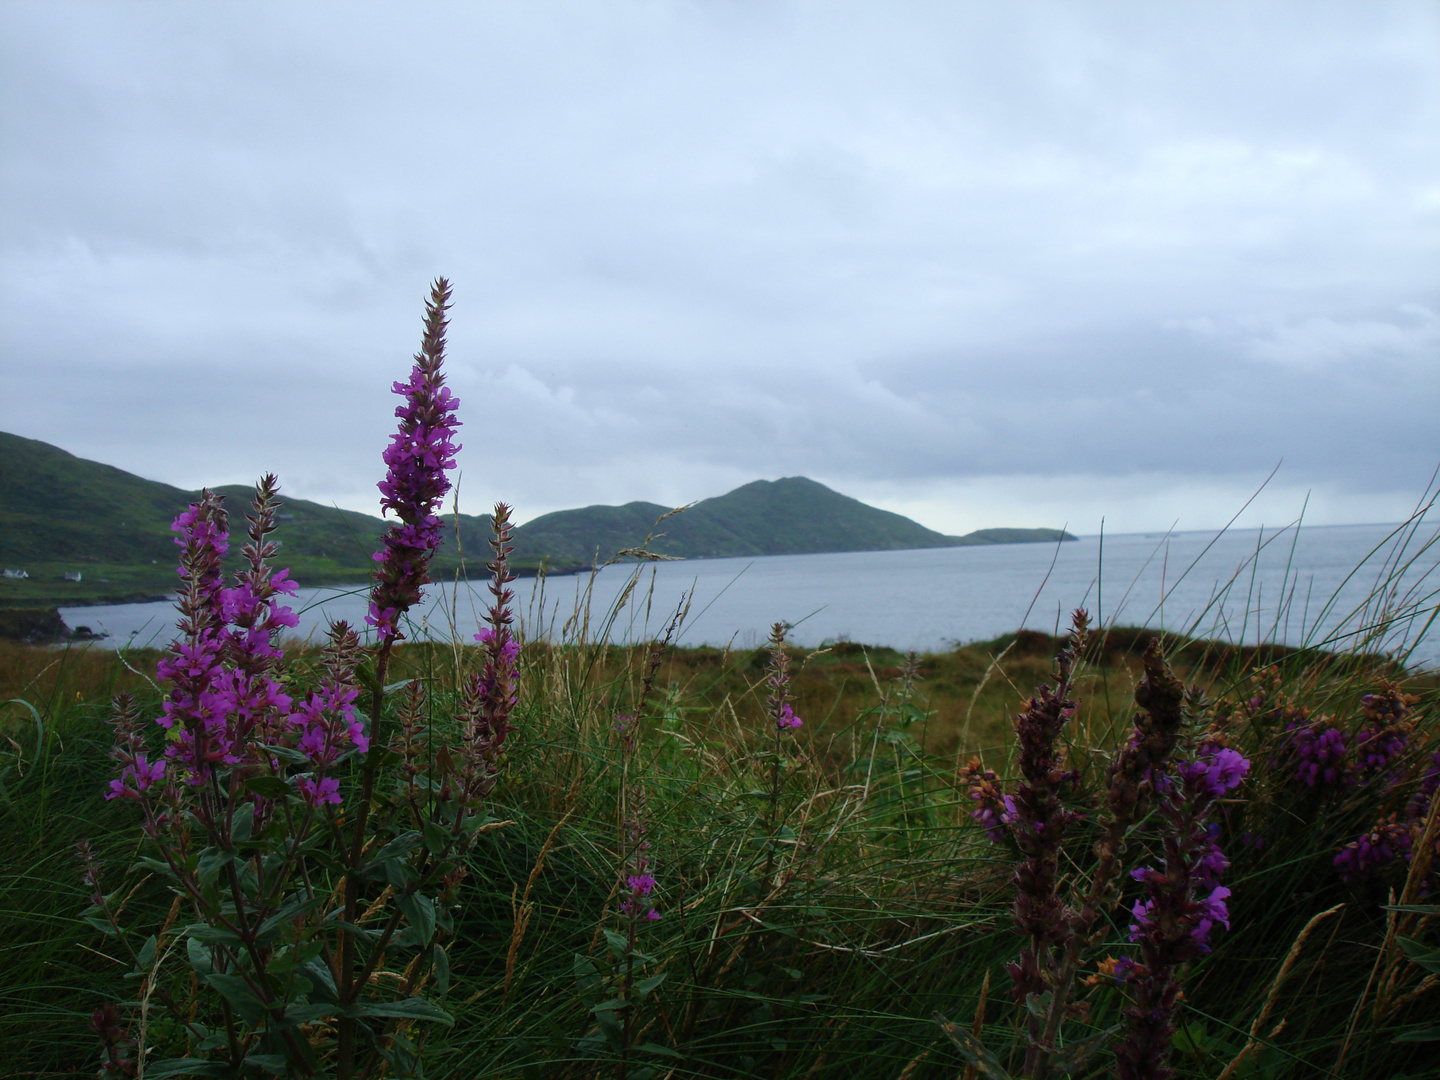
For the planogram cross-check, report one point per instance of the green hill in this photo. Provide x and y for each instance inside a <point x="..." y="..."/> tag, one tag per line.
<point x="60" y="514"/>
<point x="63" y="515"/>
<point x="791" y="516"/>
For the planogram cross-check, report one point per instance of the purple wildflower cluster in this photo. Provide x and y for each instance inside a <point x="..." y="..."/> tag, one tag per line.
<point x="417" y="459"/>
<point x="1318" y="751"/>
<point x="1039" y="820"/>
<point x="226" y="703"/>
<point x="995" y="812"/>
<point x="1393" y="839"/>
<point x="639" y="881"/>
<point x="1380" y="744"/>
<point x="1184" y="903"/>
<point x="243" y="802"/>
<point x="463" y="775"/>
<point x="1321" y="755"/>
<point x="490" y="694"/>
<point x="1384" y="735"/>
<point x="1368" y="855"/>
<point x="778" y="680"/>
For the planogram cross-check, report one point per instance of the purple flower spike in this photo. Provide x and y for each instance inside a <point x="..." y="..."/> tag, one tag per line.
<point x="1183" y="905"/>
<point x="318" y="792"/>
<point x="1318" y="753"/>
<point x="786" y="719"/>
<point x="420" y="454"/>
<point x="136" y="778"/>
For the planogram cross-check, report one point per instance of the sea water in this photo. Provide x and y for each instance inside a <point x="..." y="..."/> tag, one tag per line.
<point x="1335" y="587"/>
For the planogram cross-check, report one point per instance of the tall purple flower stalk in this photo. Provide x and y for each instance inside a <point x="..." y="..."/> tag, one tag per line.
<point x="1184" y="903"/>
<point x="1036" y="819"/>
<point x="420" y="454"/>
<point x="224" y="695"/>
<point x="782" y="721"/>
<point x="491" y="693"/>
<point x="1039" y="823"/>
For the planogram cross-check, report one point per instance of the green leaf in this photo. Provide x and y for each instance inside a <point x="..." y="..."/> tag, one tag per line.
<point x="212" y="861"/>
<point x="588" y="979"/>
<point x="441" y="959"/>
<point x="1423" y="1034"/>
<point x="369" y="933"/>
<point x="397" y="873"/>
<point x="105" y="926"/>
<point x="158" y="1070"/>
<point x="212" y="935"/>
<point x="1038" y="1004"/>
<point x="157" y="866"/>
<point x="1429" y="959"/>
<point x="268" y="787"/>
<point x="284" y="753"/>
<point x="1191" y="1039"/>
<point x="319" y="973"/>
<point x="645" y="987"/>
<point x="1416" y="909"/>
<point x="436" y="838"/>
<point x="400" y="846"/>
<point x="411" y="1008"/>
<point x="618" y="943"/>
<point x="199" y="957"/>
<point x="296" y="956"/>
<point x="419" y="909"/>
<point x="241" y="998"/>
<point x="242" y="824"/>
<point x="271" y="1063"/>
<point x="296" y="908"/>
<point x="305" y="1013"/>
<point x="1078" y="1054"/>
<point x="146" y="956"/>
<point x="664" y="1051"/>
<point x="973" y="1051"/>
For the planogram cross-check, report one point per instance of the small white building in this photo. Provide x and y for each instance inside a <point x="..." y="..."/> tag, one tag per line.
<point x="15" y="574"/>
<point x="72" y="575"/>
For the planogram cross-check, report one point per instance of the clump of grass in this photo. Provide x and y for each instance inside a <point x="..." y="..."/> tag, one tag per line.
<point x="888" y="903"/>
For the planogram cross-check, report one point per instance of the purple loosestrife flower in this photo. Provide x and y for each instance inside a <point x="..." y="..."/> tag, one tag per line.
<point x="782" y="714"/>
<point x="328" y="723"/>
<point x="637" y="905"/>
<point x="1385" y="733"/>
<point x="1039" y="822"/>
<point x="996" y="810"/>
<point x="136" y="777"/>
<point x="1377" y="849"/>
<point x="782" y="719"/>
<point x="194" y="664"/>
<point x="1183" y="904"/>
<point x="787" y="720"/>
<point x="317" y="792"/>
<point x="1316" y="750"/>
<point x="1419" y="804"/>
<point x="254" y="702"/>
<point x="491" y="694"/>
<point x="420" y="454"/>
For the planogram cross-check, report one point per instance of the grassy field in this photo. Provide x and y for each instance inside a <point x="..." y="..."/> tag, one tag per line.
<point x="886" y="903"/>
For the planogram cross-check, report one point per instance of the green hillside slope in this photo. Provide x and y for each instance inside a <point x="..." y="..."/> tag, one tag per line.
<point x="791" y="516"/>
<point x="63" y="515"/>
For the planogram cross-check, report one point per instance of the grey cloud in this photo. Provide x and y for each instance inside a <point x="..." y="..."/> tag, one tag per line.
<point x="697" y="242"/>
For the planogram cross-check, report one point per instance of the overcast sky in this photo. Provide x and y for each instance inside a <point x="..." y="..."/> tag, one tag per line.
<point x="984" y="264"/>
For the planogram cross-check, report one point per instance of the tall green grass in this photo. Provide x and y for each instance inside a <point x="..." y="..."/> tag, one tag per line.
<point x="884" y="904"/>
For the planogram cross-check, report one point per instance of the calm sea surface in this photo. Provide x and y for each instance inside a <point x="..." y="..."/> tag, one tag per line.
<point x="1309" y="585"/>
